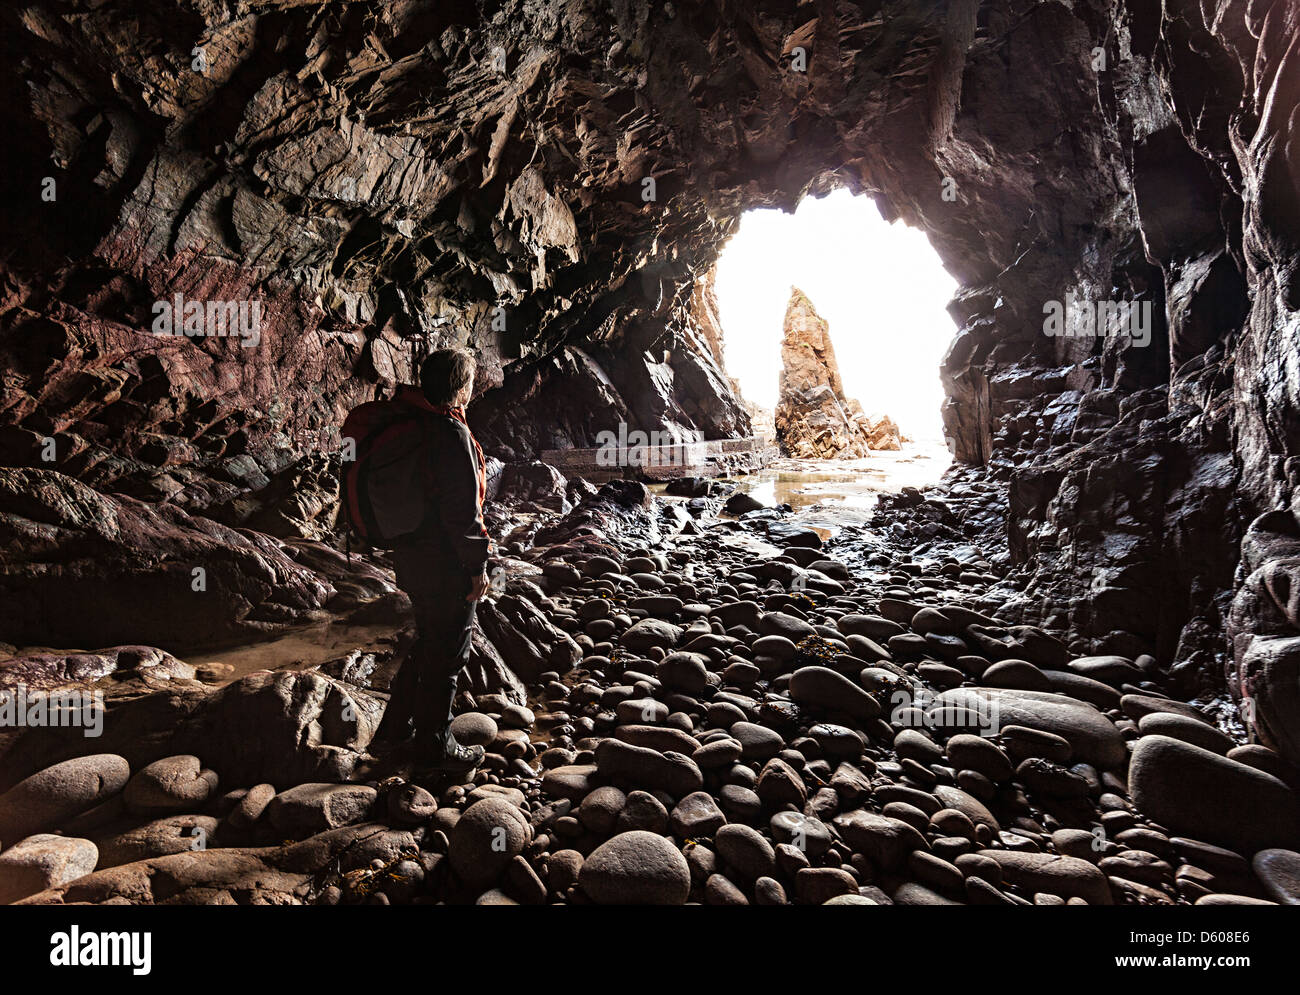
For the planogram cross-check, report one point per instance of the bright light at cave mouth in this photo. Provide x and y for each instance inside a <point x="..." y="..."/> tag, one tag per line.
<point x="880" y="286"/>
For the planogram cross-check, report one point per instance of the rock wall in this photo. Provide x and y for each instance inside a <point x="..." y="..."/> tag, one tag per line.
<point x="548" y="181"/>
<point x="814" y="419"/>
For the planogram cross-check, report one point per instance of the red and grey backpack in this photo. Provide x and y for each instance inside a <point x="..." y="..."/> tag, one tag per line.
<point x="387" y="489"/>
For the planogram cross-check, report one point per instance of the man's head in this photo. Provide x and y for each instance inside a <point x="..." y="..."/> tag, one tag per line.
<point x="447" y="377"/>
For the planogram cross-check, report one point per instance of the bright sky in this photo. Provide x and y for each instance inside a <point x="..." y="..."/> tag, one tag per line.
<point x="881" y="287"/>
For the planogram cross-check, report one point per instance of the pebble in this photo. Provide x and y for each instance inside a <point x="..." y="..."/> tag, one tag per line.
<point x="695" y="817"/>
<point x="1189" y="730"/>
<point x="976" y="753"/>
<point x="745" y="851"/>
<point x="757" y="742"/>
<point x="642" y="811"/>
<point x="1092" y="736"/>
<point x="599" y="811"/>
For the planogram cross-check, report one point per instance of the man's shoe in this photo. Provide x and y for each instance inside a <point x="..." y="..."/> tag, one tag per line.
<point x="393" y="732"/>
<point x="449" y="755"/>
<point x="395" y="746"/>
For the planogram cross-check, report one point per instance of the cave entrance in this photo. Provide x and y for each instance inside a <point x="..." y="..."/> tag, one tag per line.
<point x="883" y="292"/>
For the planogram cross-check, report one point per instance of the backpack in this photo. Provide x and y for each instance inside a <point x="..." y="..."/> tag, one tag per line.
<point x="387" y="489"/>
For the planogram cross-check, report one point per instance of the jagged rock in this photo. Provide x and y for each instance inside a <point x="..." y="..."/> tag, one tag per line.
<point x="534" y="483"/>
<point x="47" y="671"/>
<point x="132" y="567"/>
<point x="814" y="420"/>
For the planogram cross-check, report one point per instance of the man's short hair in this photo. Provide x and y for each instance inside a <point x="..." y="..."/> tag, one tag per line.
<point x="445" y="373"/>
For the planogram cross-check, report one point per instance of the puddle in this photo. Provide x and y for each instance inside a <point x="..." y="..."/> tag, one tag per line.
<point x="298" y="649"/>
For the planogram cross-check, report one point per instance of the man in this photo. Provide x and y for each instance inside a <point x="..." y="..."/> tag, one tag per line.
<point x="442" y="567"/>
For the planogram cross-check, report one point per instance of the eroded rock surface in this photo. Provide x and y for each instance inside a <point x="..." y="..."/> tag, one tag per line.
<point x="814" y="420"/>
<point x="550" y="185"/>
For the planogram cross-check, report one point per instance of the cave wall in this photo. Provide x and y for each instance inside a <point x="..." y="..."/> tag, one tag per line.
<point x="550" y="181"/>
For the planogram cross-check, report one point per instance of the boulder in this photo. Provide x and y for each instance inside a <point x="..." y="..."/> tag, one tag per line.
<point x="49" y="797"/>
<point x="636" y="868"/>
<point x="42" y="861"/>
<point x="1196" y="793"/>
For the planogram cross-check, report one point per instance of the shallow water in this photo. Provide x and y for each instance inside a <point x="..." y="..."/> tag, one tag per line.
<point x="846" y="484"/>
<point x="298" y="649"/>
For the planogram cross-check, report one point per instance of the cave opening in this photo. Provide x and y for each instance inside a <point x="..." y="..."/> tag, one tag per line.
<point x="881" y="290"/>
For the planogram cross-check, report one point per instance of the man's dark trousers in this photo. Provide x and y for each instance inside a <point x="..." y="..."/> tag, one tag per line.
<point x="425" y="683"/>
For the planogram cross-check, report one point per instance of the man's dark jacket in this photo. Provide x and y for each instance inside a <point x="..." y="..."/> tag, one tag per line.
<point x="454" y="525"/>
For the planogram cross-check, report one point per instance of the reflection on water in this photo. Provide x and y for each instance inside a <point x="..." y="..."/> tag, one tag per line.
<point x="298" y="649"/>
<point x="846" y="484"/>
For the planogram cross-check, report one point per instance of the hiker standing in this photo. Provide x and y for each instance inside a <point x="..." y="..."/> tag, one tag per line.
<point x="418" y="485"/>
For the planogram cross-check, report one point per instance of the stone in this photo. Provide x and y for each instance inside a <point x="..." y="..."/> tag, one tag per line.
<point x="804" y="832"/>
<point x="828" y="690"/>
<point x="1094" y="737"/>
<point x="887" y="842"/>
<point x="1020" y="675"/>
<point x="636" y="868"/>
<point x="819" y="885"/>
<point x="173" y="784"/>
<point x="696" y="816"/>
<point x="979" y="754"/>
<point x="1189" y="730"/>
<point x="642" y="811"/>
<point x="1064" y="876"/>
<point x="473" y="729"/>
<point x="1194" y="792"/>
<point x="756" y="742"/>
<point x="600" y="810"/>
<point x="43" y="861"/>
<point x="488" y="835"/>
<point x="651" y="633"/>
<point x="635" y="766"/>
<point x="684" y="672"/>
<point x="411" y="804"/>
<point x="571" y="781"/>
<point x="308" y="809"/>
<point x="745" y="851"/>
<point x="50" y="797"/>
<point x="780" y="784"/>
<point x="171" y="834"/>
<point x="782" y="624"/>
<point x="1279" y="873"/>
<point x="251" y="806"/>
